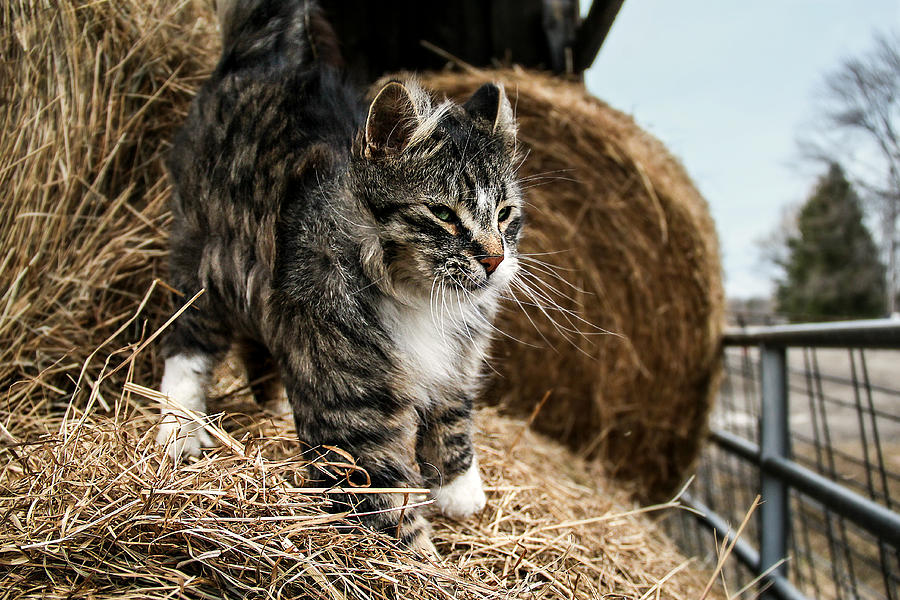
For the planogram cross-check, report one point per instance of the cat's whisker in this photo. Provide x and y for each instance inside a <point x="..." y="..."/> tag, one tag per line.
<point x="368" y="285"/>
<point x="553" y="271"/>
<point x="545" y="288"/>
<point x="443" y="311"/>
<point x="481" y="355"/>
<point x="563" y="331"/>
<point x="540" y="182"/>
<point x="537" y="296"/>
<point x="431" y="301"/>
<point x="545" y="180"/>
<point x="543" y="295"/>
<point x="535" y="303"/>
<point x="545" y="254"/>
<point x="339" y="213"/>
<point x="544" y="174"/>
<point x="522" y="158"/>
<point x="534" y="277"/>
<point x="462" y="161"/>
<point x="528" y="316"/>
<point x="541" y="178"/>
<point x="509" y="336"/>
<point x="533" y="207"/>
<point x="462" y="320"/>
<point x="473" y="310"/>
<point x="544" y="268"/>
<point x="437" y="312"/>
<point x="493" y="327"/>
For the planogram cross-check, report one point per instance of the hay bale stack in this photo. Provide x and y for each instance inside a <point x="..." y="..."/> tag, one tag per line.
<point x="98" y="512"/>
<point x="89" y="99"/>
<point x="88" y="508"/>
<point x="616" y="216"/>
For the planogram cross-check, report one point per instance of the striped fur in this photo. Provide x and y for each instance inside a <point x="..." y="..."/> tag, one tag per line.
<point x="360" y="249"/>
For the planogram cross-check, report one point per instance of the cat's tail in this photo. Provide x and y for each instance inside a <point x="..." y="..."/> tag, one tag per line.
<point x="260" y="32"/>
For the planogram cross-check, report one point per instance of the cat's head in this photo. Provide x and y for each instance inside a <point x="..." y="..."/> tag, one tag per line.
<point x="440" y="184"/>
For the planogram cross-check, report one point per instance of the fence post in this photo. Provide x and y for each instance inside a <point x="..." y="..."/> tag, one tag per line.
<point x="774" y="511"/>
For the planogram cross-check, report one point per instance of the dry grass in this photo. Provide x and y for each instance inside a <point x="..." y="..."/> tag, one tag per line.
<point x="93" y="509"/>
<point x="88" y="508"/>
<point x="615" y="215"/>
<point x="90" y="97"/>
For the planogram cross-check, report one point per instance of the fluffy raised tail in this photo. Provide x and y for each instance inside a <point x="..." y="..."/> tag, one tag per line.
<point x="261" y="32"/>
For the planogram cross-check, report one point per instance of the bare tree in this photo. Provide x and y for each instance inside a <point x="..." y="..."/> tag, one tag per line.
<point x="861" y="127"/>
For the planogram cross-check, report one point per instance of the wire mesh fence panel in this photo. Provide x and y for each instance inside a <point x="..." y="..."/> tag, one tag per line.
<point x="833" y="558"/>
<point x="724" y="482"/>
<point x="845" y="418"/>
<point x="844" y="425"/>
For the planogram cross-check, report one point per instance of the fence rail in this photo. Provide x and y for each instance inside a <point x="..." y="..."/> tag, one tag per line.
<point x="870" y="333"/>
<point x="821" y="444"/>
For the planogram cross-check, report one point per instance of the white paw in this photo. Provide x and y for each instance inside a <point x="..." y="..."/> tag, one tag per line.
<point x="463" y="496"/>
<point x="184" y="385"/>
<point x="182" y="436"/>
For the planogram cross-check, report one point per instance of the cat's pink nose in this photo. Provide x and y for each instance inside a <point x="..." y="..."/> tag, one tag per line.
<point x="491" y="263"/>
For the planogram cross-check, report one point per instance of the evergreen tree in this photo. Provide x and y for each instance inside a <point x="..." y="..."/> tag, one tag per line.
<point x="831" y="269"/>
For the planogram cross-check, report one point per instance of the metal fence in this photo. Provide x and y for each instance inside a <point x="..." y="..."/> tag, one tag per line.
<point x="809" y="418"/>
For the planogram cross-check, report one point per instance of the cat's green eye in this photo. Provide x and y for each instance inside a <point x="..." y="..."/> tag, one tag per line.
<point x="504" y="214"/>
<point x="442" y="212"/>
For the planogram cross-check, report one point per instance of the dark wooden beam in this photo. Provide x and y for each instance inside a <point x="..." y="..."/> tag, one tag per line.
<point x="593" y="31"/>
<point x="388" y="35"/>
<point x="560" y="27"/>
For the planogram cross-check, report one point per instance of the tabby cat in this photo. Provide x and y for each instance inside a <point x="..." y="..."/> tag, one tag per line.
<point x="362" y="248"/>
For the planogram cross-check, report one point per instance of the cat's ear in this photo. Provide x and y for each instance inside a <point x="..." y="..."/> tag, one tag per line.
<point x="489" y="102"/>
<point x="392" y="120"/>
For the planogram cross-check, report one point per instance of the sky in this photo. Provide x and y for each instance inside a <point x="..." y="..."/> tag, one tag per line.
<point x="729" y="86"/>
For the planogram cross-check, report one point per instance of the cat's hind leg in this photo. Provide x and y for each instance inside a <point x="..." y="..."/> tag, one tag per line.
<point x="447" y="459"/>
<point x="262" y="372"/>
<point x="193" y="347"/>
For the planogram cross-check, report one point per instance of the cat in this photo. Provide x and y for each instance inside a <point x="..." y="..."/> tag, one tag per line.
<point x="361" y="247"/>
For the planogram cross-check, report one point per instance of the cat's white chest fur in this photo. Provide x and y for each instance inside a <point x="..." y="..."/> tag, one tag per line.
<point x="431" y="346"/>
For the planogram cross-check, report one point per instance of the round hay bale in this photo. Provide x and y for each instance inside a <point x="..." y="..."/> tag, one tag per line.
<point x="613" y="214"/>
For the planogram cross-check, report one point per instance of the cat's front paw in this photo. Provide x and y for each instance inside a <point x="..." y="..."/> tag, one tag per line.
<point x="182" y="436"/>
<point x="463" y="496"/>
